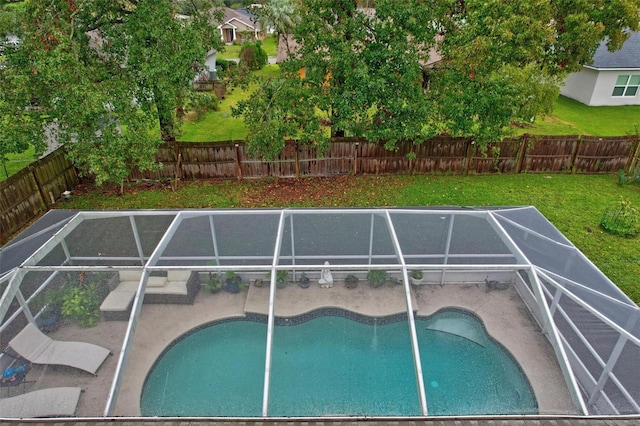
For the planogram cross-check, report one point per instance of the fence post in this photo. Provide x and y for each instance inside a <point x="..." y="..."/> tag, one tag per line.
<point x="634" y="154"/>
<point x="178" y="155"/>
<point x="43" y="196"/>
<point x="523" y="149"/>
<point x="238" y="166"/>
<point x="296" y="159"/>
<point x="355" y="158"/>
<point x="574" y="154"/>
<point x="469" y="157"/>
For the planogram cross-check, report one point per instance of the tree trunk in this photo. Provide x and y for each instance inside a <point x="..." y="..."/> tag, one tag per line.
<point x="166" y="117"/>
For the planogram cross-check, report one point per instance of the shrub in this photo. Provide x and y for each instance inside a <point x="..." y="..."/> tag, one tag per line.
<point x="622" y="220"/>
<point x="252" y="56"/>
<point x="82" y="303"/>
<point x="201" y="103"/>
<point x="377" y="277"/>
<point x="351" y="281"/>
<point x="624" y="179"/>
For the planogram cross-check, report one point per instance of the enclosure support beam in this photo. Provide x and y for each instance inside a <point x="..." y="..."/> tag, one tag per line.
<point x="125" y="350"/>
<point x="214" y="239"/>
<point x="412" y="324"/>
<point x="136" y="236"/>
<point x="548" y="323"/>
<point x="554" y="305"/>
<point x="270" y="321"/>
<point x="10" y="293"/>
<point x="592" y="310"/>
<point x="133" y="319"/>
<point x="293" y="246"/>
<point x="448" y="246"/>
<point x="553" y="334"/>
<point x="611" y="362"/>
<point x="371" y="238"/>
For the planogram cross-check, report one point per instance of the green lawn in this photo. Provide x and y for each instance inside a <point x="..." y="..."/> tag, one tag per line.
<point x="16" y="163"/>
<point x="573" y="203"/>
<point x="232" y="51"/>
<point x="570" y="117"/>
<point x="220" y="125"/>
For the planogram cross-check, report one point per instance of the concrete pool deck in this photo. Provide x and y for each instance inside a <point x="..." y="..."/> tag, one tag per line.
<point x="503" y="313"/>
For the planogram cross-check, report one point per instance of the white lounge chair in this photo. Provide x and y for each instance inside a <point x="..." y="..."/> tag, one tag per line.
<point x="38" y="348"/>
<point x="52" y="402"/>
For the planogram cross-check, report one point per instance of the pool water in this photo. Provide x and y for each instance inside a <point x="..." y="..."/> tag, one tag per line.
<point x="332" y="365"/>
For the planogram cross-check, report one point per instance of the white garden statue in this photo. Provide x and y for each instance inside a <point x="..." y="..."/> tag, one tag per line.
<point x="326" y="279"/>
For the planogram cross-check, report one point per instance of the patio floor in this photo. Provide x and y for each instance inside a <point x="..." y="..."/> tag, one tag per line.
<point x="503" y="313"/>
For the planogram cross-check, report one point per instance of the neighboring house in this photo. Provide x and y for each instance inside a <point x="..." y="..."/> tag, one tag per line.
<point x="239" y="25"/>
<point x="612" y="79"/>
<point x="210" y="65"/>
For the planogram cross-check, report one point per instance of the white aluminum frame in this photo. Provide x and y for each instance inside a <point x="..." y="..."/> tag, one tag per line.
<point x="567" y="357"/>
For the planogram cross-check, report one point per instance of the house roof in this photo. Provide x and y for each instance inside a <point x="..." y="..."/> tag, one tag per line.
<point x="231" y="15"/>
<point x="627" y="57"/>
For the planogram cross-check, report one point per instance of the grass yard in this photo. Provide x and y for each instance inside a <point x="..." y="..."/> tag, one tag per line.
<point x="232" y="51"/>
<point x="220" y="125"/>
<point x="16" y="163"/>
<point x="570" y="117"/>
<point x="573" y="203"/>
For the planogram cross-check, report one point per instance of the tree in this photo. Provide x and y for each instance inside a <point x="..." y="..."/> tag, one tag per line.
<point x="361" y="74"/>
<point x="500" y="62"/>
<point x="280" y="15"/>
<point x="105" y="78"/>
<point x="504" y="61"/>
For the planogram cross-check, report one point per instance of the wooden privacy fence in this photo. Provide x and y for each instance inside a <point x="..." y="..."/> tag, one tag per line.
<point x="33" y="189"/>
<point x="36" y="187"/>
<point x="526" y="154"/>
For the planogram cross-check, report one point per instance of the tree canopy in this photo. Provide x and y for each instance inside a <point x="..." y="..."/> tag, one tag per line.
<point x="104" y="78"/>
<point x="412" y="69"/>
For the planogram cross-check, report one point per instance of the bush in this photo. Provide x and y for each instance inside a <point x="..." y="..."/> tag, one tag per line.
<point x="624" y="179"/>
<point x="82" y="303"/>
<point x="252" y="56"/>
<point x="377" y="277"/>
<point x="622" y="220"/>
<point x="222" y="65"/>
<point x="203" y="102"/>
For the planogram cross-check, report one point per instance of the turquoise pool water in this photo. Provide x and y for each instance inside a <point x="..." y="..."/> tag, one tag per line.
<point x="336" y="366"/>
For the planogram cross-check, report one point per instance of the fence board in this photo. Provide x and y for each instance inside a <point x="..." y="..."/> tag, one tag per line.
<point x="549" y="154"/>
<point x="603" y="155"/>
<point x="25" y="194"/>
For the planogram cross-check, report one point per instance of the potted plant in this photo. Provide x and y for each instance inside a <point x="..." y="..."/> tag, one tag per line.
<point x="214" y="284"/>
<point x="376" y="277"/>
<point x="233" y="282"/>
<point x="416" y="277"/>
<point x="351" y="281"/>
<point x="304" y="281"/>
<point x="281" y="278"/>
<point x="258" y="282"/>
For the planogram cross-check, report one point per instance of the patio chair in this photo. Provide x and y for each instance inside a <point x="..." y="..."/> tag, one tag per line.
<point x="38" y="348"/>
<point x="52" y="402"/>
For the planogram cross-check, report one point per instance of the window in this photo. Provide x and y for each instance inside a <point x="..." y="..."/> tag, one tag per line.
<point x="626" y="85"/>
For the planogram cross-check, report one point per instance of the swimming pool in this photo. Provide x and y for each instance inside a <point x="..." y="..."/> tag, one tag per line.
<point x="334" y="365"/>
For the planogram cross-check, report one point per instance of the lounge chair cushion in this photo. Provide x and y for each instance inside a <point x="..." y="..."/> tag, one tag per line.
<point x="130" y="286"/>
<point x="156" y="281"/>
<point x="52" y="402"/>
<point x="38" y="348"/>
<point x="130" y="275"/>
<point x="171" y="287"/>
<point x="173" y="275"/>
<point x="117" y="301"/>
